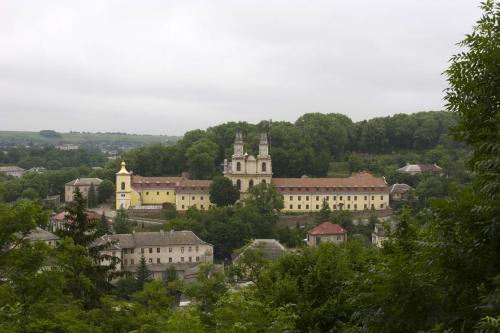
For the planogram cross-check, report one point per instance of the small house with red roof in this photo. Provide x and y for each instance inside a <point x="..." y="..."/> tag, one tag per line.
<point x="326" y="232"/>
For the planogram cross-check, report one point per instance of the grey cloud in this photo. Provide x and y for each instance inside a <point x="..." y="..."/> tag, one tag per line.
<point x="170" y="66"/>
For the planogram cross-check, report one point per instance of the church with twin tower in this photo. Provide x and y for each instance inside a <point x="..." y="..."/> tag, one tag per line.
<point x="247" y="170"/>
<point x="360" y="191"/>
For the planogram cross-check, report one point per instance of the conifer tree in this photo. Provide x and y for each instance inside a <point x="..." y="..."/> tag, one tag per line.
<point x="325" y="212"/>
<point x="121" y="225"/>
<point x="92" y="197"/>
<point x="143" y="274"/>
<point x="103" y="227"/>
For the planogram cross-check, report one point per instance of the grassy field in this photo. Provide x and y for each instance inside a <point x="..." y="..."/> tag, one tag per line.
<point x="81" y="138"/>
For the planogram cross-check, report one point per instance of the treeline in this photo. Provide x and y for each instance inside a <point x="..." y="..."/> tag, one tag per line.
<point x="305" y="147"/>
<point x="51" y="158"/>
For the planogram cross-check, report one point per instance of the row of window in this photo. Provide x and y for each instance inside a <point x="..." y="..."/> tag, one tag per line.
<point x="192" y="198"/>
<point x="340" y="206"/>
<point x="263" y="167"/>
<point x="158" y="260"/>
<point x="157" y="193"/>
<point x="158" y="250"/>
<point x="327" y="198"/>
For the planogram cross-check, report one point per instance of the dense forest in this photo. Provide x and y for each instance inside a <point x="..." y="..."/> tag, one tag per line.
<point x="439" y="272"/>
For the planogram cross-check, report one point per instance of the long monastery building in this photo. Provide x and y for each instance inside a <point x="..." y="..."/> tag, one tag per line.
<point x="361" y="191"/>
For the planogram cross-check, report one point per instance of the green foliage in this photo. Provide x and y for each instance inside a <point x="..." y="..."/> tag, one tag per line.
<point x="105" y="190"/>
<point x="266" y="199"/>
<point x="143" y="275"/>
<point x="223" y="192"/>
<point x="49" y="134"/>
<point x="121" y="224"/>
<point x="92" y="197"/>
<point x="103" y="226"/>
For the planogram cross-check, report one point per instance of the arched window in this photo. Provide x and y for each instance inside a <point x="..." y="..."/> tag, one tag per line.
<point x="238" y="166"/>
<point x="264" y="167"/>
<point x="238" y="184"/>
<point x="250" y="183"/>
<point x="123" y="186"/>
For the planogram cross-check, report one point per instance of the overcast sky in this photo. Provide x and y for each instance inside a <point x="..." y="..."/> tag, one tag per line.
<point x="164" y="67"/>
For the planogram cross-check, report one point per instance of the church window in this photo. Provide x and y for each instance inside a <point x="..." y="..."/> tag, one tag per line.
<point x="238" y="166"/>
<point x="123" y="186"/>
<point x="238" y="184"/>
<point x="264" y="167"/>
<point x="250" y="183"/>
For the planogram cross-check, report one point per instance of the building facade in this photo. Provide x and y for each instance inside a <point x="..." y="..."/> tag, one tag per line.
<point x="180" y="249"/>
<point x="83" y="184"/>
<point x="361" y="191"/>
<point x="326" y="232"/>
<point x="12" y="170"/>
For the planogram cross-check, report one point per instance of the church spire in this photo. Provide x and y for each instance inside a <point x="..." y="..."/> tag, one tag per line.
<point x="263" y="145"/>
<point x="238" y="144"/>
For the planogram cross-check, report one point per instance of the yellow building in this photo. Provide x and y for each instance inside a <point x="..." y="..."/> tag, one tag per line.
<point x="361" y="191"/>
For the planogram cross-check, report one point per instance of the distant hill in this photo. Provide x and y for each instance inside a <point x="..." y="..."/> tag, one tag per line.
<point x="8" y="138"/>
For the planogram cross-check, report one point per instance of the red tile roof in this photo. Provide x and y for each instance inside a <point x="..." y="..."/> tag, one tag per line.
<point x="327" y="228"/>
<point x="361" y="180"/>
<point x="139" y="182"/>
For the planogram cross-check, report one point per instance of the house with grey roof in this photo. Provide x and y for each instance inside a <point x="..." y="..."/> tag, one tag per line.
<point x="417" y="169"/>
<point x="181" y="249"/>
<point x="83" y="184"/>
<point x="399" y="191"/>
<point x="39" y="234"/>
<point x="12" y="170"/>
<point x="271" y="249"/>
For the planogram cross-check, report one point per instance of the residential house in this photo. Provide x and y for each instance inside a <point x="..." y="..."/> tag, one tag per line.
<point x="39" y="234"/>
<point x="12" y="170"/>
<point x="181" y="249"/>
<point x="399" y="191"/>
<point x="417" y="169"/>
<point x="326" y="232"/>
<point x="271" y="249"/>
<point x="83" y="184"/>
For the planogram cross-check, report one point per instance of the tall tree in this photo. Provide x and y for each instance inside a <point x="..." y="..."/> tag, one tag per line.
<point x="121" y="224"/>
<point x="103" y="226"/>
<point x="105" y="190"/>
<point x="143" y="274"/>
<point x="223" y="192"/>
<point x="92" y="196"/>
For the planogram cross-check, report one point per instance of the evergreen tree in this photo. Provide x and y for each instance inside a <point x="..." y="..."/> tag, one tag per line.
<point x="92" y="197"/>
<point x="103" y="227"/>
<point x="325" y="213"/>
<point x="143" y="274"/>
<point x="121" y="225"/>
